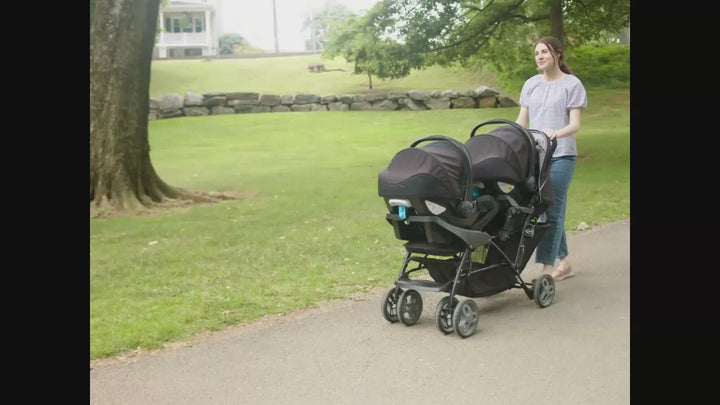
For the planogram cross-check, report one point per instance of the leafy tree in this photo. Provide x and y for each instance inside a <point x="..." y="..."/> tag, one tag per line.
<point x="493" y="32"/>
<point x="227" y="43"/>
<point x="466" y="26"/>
<point x="320" y="23"/>
<point x="358" y="41"/>
<point x="122" y="177"/>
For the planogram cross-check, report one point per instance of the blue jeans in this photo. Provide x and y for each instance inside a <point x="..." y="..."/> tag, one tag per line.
<point x="553" y="244"/>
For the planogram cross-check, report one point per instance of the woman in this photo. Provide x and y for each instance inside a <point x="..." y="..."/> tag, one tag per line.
<point x="551" y="101"/>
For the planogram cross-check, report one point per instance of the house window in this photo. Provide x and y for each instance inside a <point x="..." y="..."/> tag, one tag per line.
<point x="172" y="25"/>
<point x="187" y="25"/>
<point x="193" y="52"/>
<point x="175" y="25"/>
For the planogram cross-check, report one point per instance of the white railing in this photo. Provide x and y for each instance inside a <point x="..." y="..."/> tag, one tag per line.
<point x="183" y="38"/>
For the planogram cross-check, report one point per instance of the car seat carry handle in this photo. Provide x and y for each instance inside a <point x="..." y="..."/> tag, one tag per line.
<point x="466" y="205"/>
<point x="551" y="146"/>
<point x="531" y="182"/>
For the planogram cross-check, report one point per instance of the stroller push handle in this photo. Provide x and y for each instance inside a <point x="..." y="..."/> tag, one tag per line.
<point x="465" y="208"/>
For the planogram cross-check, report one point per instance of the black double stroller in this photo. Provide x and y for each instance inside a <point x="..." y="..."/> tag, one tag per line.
<point x="469" y="215"/>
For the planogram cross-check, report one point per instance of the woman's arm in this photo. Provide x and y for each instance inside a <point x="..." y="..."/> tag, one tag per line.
<point x="522" y="118"/>
<point x="572" y="127"/>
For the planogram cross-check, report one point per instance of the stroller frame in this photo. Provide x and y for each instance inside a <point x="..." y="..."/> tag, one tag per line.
<point x="403" y="302"/>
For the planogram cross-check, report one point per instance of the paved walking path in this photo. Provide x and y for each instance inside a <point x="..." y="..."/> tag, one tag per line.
<point x="576" y="351"/>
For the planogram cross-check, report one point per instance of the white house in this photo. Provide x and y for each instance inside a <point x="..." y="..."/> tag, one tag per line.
<point x="189" y="28"/>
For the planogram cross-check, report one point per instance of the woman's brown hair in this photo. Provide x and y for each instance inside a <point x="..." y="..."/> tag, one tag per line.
<point x="558" y="52"/>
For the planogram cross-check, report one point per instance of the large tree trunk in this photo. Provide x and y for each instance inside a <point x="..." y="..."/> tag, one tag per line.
<point x="556" y="20"/>
<point x="122" y="177"/>
<point x="625" y="35"/>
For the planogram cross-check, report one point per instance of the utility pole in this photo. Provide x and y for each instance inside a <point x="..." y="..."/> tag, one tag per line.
<point x="312" y="31"/>
<point x="275" y="28"/>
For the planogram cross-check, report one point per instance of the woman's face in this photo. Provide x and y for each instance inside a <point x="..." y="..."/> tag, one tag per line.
<point x="543" y="57"/>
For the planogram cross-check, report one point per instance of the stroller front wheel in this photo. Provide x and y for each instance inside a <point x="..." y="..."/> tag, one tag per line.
<point x="465" y="318"/>
<point x="409" y="307"/>
<point x="389" y="304"/>
<point x="544" y="290"/>
<point x="444" y="314"/>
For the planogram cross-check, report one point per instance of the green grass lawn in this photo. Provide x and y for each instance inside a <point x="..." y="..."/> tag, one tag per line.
<point x="289" y="75"/>
<point x="311" y="226"/>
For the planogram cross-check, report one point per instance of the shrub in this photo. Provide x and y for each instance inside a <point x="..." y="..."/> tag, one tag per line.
<point x="598" y="66"/>
<point x="601" y="66"/>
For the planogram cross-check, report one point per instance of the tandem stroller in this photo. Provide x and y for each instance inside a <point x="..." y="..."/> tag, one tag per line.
<point x="469" y="213"/>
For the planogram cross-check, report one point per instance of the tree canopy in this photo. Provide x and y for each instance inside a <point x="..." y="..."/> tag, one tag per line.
<point x="374" y="55"/>
<point x="320" y="23"/>
<point x="467" y="32"/>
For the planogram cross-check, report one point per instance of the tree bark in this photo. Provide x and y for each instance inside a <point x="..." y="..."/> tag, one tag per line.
<point x="122" y="177"/>
<point x="625" y="35"/>
<point x="556" y="20"/>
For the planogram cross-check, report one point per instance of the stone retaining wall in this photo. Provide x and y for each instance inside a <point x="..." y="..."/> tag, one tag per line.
<point x="174" y="105"/>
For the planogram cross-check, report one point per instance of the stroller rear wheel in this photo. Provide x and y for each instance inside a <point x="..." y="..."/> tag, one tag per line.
<point x="389" y="304"/>
<point x="465" y="318"/>
<point x="409" y="307"/>
<point x="444" y="314"/>
<point x="544" y="290"/>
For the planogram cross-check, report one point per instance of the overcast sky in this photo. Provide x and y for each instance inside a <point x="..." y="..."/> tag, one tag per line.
<point x="253" y="19"/>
